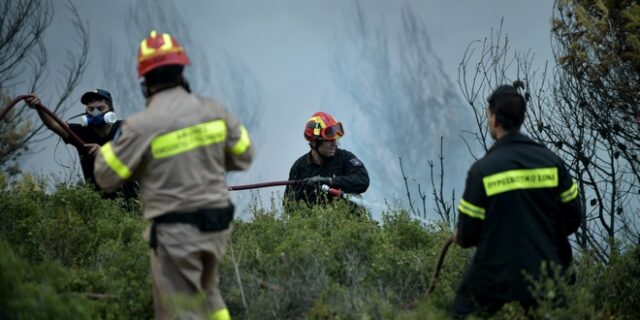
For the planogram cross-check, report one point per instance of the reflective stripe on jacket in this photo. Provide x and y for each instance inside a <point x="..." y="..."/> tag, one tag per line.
<point x="519" y="205"/>
<point x="180" y="146"/>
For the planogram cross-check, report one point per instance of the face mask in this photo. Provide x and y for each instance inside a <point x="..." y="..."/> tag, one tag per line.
<point x="97" y="119"/>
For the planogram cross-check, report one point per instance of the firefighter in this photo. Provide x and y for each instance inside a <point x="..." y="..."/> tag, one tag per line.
<point x="98" y="126"/>
<point x="519" y="206"/>
<point x="180" y="147"/>
<point x="325" y="164"/>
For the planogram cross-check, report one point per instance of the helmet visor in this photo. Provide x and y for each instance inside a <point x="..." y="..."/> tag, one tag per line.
<point x="333" y="132"/>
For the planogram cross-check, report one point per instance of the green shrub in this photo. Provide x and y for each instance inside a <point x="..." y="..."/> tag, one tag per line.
<point x="618" y="292"/>
<point x="329" y="263"/>
<point x="97" y="247"/>
<point x="29" y="291"/>
<point x="73" y="255"/>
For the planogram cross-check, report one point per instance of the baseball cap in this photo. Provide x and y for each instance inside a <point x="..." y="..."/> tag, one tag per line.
<point x="96" y="94"/>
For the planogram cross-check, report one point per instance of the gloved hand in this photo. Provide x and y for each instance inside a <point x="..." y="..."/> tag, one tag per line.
<point x="314" y="181"/>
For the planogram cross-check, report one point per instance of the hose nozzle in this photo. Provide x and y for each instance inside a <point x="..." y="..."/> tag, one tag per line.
<point x="334" y="192"/>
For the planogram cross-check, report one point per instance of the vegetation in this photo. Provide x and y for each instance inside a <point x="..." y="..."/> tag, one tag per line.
<point x="597" y="46"/>
<point x="73" y="255"/>
<point x="24" y="67"/>
<point x="69" y="254"/>
<point x="597" y="49"/>
<point x="585" y="110"/>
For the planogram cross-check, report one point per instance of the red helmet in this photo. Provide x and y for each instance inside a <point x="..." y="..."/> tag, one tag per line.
<point x="160" y="50"/>
<point x="323" y="126"/>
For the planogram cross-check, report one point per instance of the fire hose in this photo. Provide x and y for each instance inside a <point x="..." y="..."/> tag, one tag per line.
<point x="439" y="263"/>
<point x="353" y="198"/>
<point x="75" y="140"/>
<point x="262" y="185"/>
<point x="334" y="192"/>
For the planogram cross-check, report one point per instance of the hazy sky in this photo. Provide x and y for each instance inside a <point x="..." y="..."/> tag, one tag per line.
<point x="288" y="46"/>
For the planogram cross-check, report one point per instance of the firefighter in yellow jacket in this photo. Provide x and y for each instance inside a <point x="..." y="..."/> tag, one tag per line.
<point x="179" y="147"/>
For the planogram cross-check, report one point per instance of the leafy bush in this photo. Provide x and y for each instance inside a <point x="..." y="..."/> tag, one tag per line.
<point x="30" y="291"/>
<point x="617" y="288"/>
<point x="73" y="255"/>
<point x="328" y="263"/>
<point x="97" y="247"/>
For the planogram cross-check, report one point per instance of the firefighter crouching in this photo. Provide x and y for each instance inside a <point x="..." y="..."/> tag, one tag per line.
<point x="179" y="147"/>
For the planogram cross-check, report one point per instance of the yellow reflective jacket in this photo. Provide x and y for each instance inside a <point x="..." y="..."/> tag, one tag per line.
<point x="179" y="148"/>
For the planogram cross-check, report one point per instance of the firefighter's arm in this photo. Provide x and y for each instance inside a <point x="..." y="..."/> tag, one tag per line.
<point x="472" y="211"/>
<point x="32" y="102"/>
<point x="53" y="125"/>
<point x="570" y="203"/>
<point x="356" y="179"/>
<point x="239" y="149"/>
<point x="117" y="160"/>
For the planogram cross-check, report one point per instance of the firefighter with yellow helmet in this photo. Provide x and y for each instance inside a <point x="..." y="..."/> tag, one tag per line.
<point x="325" y="164"/>
<point x="179" y="147"/>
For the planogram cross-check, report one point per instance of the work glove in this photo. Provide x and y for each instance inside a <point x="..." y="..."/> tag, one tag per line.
<point x="315" y="181"/>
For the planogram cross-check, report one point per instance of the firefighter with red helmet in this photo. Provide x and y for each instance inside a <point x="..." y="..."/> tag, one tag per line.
<point x="180" y="147"/>
<point x="325" y="164"/>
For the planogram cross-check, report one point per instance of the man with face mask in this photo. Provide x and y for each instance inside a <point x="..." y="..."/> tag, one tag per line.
<point x="98" y="125"/>
<point x="325" y="164"/>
